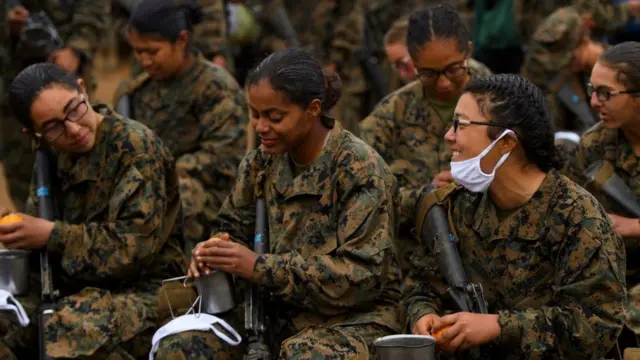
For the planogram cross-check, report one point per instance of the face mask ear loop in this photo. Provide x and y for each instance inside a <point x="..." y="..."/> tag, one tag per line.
<point x="224" y="337"/>
<point x="491" y="146"/>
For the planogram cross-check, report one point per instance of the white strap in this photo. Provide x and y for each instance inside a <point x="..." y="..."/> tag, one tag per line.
<point x="224" y="337"/>
<point x="8" y="302"/>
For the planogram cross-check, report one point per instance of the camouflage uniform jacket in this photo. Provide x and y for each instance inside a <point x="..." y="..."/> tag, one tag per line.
<point x="552" y="269"/>
<point x="120" y="218"/>
<point x="201" y="117"/>
<point x="409" y="136"/>
<point x="210" y="36"/>
<point x="600" y="143"/>
<point x="330" y="231"/>
<point x="547" y="64"/>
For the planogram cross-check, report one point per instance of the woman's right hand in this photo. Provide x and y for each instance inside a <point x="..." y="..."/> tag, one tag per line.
<point x="424" y="325"/>
<point x="197" y="268"/>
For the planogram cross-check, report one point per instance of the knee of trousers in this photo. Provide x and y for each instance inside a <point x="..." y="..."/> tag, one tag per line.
<point x="196" y="345"/>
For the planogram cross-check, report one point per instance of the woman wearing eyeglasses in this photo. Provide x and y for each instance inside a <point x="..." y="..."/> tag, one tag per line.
<point x="407" y="127"/>
<point x="611" y="148"/>
<point x="118" y="228"/>
<point x="395" y="46"/>
<point x="541" y="247"/>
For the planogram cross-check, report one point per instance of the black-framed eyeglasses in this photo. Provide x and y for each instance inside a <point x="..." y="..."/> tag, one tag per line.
<point x="457" y="122"/>
<point x="452" y="72"/>
<point x="604" y="93"/>
<point x="52" y="130"/>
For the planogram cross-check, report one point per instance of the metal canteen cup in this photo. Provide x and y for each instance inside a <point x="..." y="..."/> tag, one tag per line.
<point x="406" y="347"/>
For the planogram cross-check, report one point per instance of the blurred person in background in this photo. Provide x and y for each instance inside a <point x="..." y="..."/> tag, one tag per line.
<point x="196" y="107"/>
<point x="78" y="25"/>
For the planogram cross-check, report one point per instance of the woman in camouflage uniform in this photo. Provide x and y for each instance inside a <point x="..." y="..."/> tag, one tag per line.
<point x="407" y="127"/>
<point x="541" y="247"/>
<point x="118" y="231"/>
<point x="611" y="149"/>
<point x="330" y="270"/>
<point x="196" y="108"/>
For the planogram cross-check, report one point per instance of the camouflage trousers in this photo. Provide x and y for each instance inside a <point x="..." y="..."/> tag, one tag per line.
<point x="91" y="324"/>
<point x="314" y="342"/>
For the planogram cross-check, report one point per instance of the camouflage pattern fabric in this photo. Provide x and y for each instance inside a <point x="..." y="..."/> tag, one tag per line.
<point x="407" y="131"/>
<point x="210" y="36"/>
<point x="607" y="15"/>
<point x="79" y="24"/>
<point x="552" y="269"/>
<point x="118" y="236"/>
<point x="331" y="264"/>
<point x="600" y="143"/>
<point x="314" y="342"/>
<point x="548" y="60"/>
<point x="201" y="117"/>
<point x="552" y="45"/>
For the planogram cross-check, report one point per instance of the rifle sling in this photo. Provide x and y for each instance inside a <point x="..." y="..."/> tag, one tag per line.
<point x="438" y="196"/>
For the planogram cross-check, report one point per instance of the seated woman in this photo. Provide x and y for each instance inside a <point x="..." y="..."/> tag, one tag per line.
<point x="543" y="248"/>
<point x="118" y="232"/>
<point x="406" y="127"/>
<point x="196" y="108"/>
<point x="330" y="271"/>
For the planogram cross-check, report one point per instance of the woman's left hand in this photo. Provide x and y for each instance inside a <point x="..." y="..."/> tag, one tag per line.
<point x="222" y="254"/>
<point x="30" y="233"/>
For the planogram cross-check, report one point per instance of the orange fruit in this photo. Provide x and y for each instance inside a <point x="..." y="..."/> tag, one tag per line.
<point x="438" y="333"/>
<point x="10" y="219"/>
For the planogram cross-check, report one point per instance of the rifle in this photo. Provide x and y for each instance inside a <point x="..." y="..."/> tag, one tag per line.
<point x="123" y="107"/>
<point x="603" y="176"/>
<point x="39" y="37"/>
<point x="254" y="316"/>
<point x="574" y="102"/>
<point x="370" y="63"/>
<point x="441" y="242"/>
<point x="45" y="211"/>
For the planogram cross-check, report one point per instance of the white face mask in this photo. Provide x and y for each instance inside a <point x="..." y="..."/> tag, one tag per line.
<point x="468" y="173"/>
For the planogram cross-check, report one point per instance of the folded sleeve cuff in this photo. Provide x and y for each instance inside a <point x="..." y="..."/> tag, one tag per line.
<point x="510" y="328"/>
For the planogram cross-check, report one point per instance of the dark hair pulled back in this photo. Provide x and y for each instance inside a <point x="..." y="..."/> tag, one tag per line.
<point x="30" y="82"/>
<point x="436" y="22"/>
<point x="624" y="58"/>
<point x="515" y="102"/>
<point x="300" y="77"/>
<point x="166" y="18"/>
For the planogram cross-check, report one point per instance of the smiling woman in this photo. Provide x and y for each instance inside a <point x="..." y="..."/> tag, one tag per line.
<point x="118" y="230"/>
<point x="541" y="247"/>
<point x="330" y="203"/>
<point x="70" y="127"/>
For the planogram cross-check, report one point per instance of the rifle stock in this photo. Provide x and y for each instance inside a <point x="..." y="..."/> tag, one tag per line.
<point x="432" y="224"/>
<point x="255" y="319"/>
<point x="602" y="175"/>
<point x="45" y="211"/>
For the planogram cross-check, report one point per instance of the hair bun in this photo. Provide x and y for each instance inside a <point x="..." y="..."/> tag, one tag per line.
<point x="332" y="89"/>
<point x="194" y="11"/>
